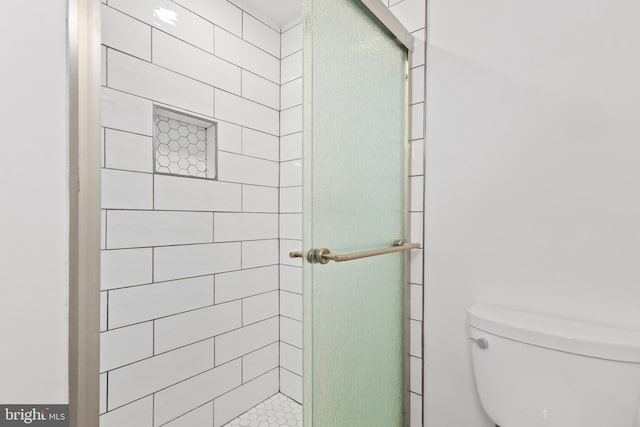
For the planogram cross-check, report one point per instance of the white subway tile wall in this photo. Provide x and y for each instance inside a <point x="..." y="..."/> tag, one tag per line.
<point x="190" y="267"/>
<point x="290" y="229"/>
<point x="201" y="306"/>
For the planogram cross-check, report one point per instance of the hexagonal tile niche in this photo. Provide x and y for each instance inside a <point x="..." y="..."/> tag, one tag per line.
<point x="184" y="144"/>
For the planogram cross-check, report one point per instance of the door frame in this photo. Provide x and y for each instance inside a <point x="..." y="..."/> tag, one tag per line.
<point x="84" y="62"/>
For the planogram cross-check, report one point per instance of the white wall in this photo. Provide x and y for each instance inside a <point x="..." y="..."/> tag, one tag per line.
<point x="34" y="216"/>
<point x="532" y="173"/>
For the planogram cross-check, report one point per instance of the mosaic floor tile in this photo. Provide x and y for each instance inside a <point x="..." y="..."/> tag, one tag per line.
<point x="276" y="411"/>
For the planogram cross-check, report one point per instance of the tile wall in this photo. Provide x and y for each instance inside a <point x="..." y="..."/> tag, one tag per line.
<point x="291" y="211"/>
<point x="190" y="293"/>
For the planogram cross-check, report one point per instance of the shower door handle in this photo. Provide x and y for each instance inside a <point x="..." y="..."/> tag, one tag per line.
<point x="323" y="256"/>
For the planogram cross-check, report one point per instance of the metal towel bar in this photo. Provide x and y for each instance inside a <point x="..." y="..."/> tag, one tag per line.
<point x="323" y="256"/>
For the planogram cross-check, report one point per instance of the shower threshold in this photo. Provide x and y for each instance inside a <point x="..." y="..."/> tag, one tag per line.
<point x="276" y="411"/>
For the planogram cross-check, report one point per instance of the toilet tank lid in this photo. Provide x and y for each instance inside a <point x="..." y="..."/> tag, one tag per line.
<point x="557" y="333"/>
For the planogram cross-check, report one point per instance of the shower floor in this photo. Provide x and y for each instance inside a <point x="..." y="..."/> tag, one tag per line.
<point x="276" y="411"/>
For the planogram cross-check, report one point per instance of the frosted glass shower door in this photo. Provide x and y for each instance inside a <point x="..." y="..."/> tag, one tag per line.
<point x="354" y="184"/>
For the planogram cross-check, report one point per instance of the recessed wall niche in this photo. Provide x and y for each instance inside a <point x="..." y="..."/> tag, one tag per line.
<point x="184" y="144"/>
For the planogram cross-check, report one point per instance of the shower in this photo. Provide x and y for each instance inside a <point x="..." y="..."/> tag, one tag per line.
<point x="230" y="208"/>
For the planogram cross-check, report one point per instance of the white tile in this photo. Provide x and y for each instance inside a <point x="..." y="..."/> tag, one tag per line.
<point x="103" y="229"/>
<point x="291" y="226"/>
<point x="291" y="94"/>
<point x="415" y="374"/>
<point x="142" y="303"/>
<point x="230" y="405"/>
<point x="291" y="305"/>
<point x="291" y="279"/>
<point x="249" y="57"/>
<point x="417" y="121"/>
<point x="291" y="200"/>
<point x="103" y="65"/>
<point x="261" y="35"/>
<point x="102" y="150"/>
<point x="180" y="398"/>
<point x="126" y="190"/>
<point x="199" y="417"/>
<point x="126" y="112"/>
<point x="103" y="393"/>
<point x="258" y="253"/>
<point x="417" y="85"/>
<point x="291" y="331"/>
<point x="176" y="55"/>
<point x="292" y="40"/>
<point x="197" y="325"/>
<point x="220" y="12"/>
<point x="125" y="267"/>
<point x="417" y="157"/>
<point x="234" y="109"/>
<point x="171" y="18"/>
<point x="259" y="307"/>
<point x="291" y="147"/>
<point x="291" y="173"/>
<point x="229" y="227"/>
<point x="123" y="346"/>
<point x="260" y="90"/>
<point x="142" y="378"/>
<point x="291" y="358"/>
<point x="291" y="120"/>
<point x="291" y="68"/>
<point x="411" y="13"/>
<point x="128" y="151"/>
<point x="415" y="227"/>
<point x="415" y="412"/>
<point x="260" y="144"/>
<point x="415" y="266"/>
<point x="124" y="33"/>
<point x="178" y="193"/>
<point x="244" y="283"/>
<point x="415" y="338"/>
<point x="141" y="78"/>
<point x="287" y="246"/>
<point x="103" y="311"/>
<point x="195" y="260"/>
<point x="260" y="361"/>
<point x="417" y="194"/>
<point x="229" y="137"/>
<point x="128" y="229"/>
<point x="291" y="385"/>
<point x="259" y="199"/>
<point x="415" y="302"/>
<point x="136" y="414"/>
<point x="417" y="55"/>
<point x="247" y="170"/>
<point x="244" y="340"/>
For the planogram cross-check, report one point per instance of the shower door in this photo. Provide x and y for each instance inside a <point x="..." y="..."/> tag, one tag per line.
<point x="355" y="103"/>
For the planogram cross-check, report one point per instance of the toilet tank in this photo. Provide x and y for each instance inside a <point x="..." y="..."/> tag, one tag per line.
<point x="538" y="370"/>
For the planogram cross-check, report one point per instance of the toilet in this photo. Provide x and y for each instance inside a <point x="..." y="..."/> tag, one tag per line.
<point x="533" y="370"/>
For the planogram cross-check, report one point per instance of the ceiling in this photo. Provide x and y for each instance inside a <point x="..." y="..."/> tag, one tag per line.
<point x="279" y="12"/>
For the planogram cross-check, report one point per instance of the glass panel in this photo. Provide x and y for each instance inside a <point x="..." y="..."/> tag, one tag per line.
<point x="354" y="177"/>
